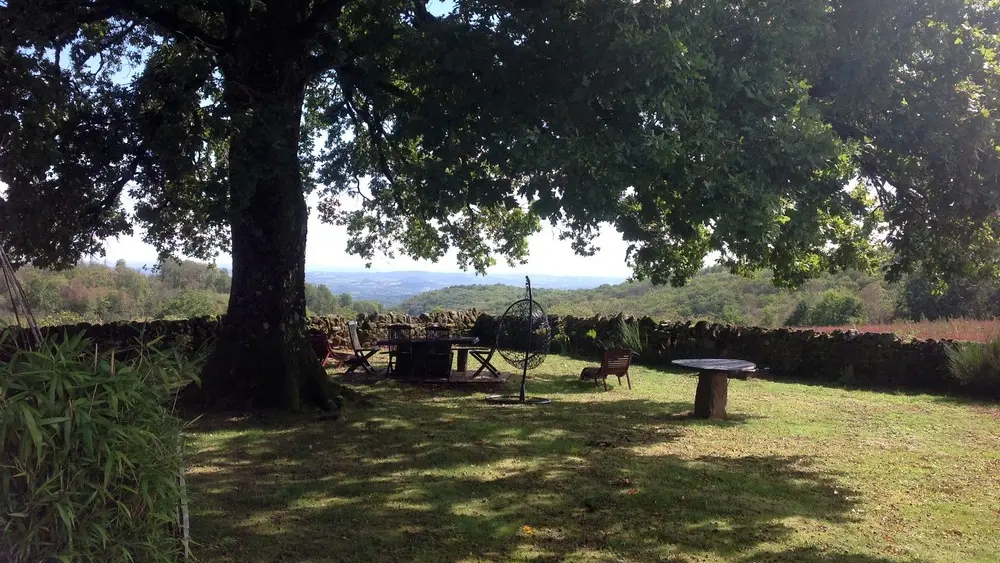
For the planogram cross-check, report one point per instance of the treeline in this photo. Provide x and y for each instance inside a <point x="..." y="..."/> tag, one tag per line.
<point x="172" y="290"/>
<point x="718" y="296"/>
<point x="97" y="292"/>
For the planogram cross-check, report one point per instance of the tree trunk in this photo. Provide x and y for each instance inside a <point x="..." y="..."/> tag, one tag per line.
<point x="262" y="357"/>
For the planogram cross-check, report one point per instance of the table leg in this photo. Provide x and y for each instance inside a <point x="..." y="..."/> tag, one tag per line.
<point x="712" y="394"/>
<point x="463" y="360"/>
<point x="484" y="364"/>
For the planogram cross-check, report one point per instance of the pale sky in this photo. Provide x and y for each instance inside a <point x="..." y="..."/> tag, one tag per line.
<point x="325" y="246"/>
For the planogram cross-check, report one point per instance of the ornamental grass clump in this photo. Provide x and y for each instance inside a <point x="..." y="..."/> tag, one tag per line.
<point x="976" y="367"/>
<point x="91" y="453"/>
<point x="631" y="336"/>
<point x="626" y="334"/>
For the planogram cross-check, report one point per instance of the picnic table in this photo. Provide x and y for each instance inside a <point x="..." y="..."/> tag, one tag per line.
<point x="713" y="383"/>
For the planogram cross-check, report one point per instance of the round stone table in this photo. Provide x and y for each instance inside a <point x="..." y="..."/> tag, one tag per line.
<point x="713" y="384"/>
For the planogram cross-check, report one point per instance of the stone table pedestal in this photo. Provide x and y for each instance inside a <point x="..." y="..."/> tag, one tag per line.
<point x="712" y="393"/>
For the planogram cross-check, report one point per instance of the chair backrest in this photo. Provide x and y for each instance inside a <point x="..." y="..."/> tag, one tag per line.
<point x="400" y="336"/>
<point x="437" y="331"/>
<point x="352" y="327"/>
<point x="320" y="343"/>
<point x="616" y="361"/>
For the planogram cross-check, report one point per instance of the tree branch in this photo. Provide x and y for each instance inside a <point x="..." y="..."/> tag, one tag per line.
<point x="322" y="26"/>
<point x="172" y="21"/>
<point x="397" y="91"/>
<point x="324" y="13"/>
<point x="96" y="13"/>
<point x="330" y="60"/>
<point x="422" y="16"/>
<point x="115" y="190"/>
<point x="375" y="134"/>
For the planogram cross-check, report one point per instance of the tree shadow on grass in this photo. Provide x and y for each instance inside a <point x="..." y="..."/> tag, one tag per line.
<point x="813" y="555"/>
<point x="557" y="384"/>
<point x="421" y="477"/>
<point x="902" y="389"/>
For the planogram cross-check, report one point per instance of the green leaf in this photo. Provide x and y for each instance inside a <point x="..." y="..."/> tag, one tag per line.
<point x="36" y="435"/>
<point x="53" y="420"/>
<point x="67" y="517"/>
<point x="109" y="467"/>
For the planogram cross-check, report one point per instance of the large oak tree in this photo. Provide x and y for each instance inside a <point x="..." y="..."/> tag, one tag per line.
<point x="692" y="126"/>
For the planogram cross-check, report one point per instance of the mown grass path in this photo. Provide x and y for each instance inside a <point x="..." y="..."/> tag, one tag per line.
<point x="798" y="473"/>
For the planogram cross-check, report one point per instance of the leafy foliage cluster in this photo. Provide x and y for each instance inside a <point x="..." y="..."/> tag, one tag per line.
<point x="172" y="290"/>
<point x="92" y="454"/>
<point x="95" y="292"/>
<point x="964" y="298"/>
<point x="321" y="301"/>
<point x="475" y="121"/>
<point x="833" y="308"/>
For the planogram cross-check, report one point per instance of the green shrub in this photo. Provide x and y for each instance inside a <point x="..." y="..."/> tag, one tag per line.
<point x="835" y="307"/>
<point x="976" y="366"/>
<point x="188" y="304"/>
<point x="64" y="318"/>
<point x="91" y="454"/>
<point x="800" y="316"/>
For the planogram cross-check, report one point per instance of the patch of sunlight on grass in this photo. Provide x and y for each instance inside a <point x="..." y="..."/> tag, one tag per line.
<point x="390" y="460"/>
<point x="314" y="501"/>
<point x="383" y="424"/>
<point x="797" y="473"/>
<point x="408" y="506"/>
<point x="473" y="507"/>
<point x="529" y="551"/>
<point x="249" y="435"/>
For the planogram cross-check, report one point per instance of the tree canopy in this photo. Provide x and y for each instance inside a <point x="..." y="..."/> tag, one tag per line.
<point x="692" y="127"/>
<point x="660" y="118"/>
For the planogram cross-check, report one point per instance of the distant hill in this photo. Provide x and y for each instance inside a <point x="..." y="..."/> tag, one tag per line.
<point x="390" y="288"/>
<point x="714" y="295"/>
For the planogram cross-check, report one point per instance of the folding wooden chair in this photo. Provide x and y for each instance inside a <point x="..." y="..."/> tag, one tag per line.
<point x="614" y="362"/>
<point x="361" y="355"/>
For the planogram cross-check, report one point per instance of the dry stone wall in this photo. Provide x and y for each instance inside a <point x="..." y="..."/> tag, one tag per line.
<point x="882" y="361"/>
<point x="864" y="360"/>
<point x="194" y="333"/>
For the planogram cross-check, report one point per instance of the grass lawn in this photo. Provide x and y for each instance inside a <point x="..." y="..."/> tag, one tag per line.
<point x="798" y="473"/>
